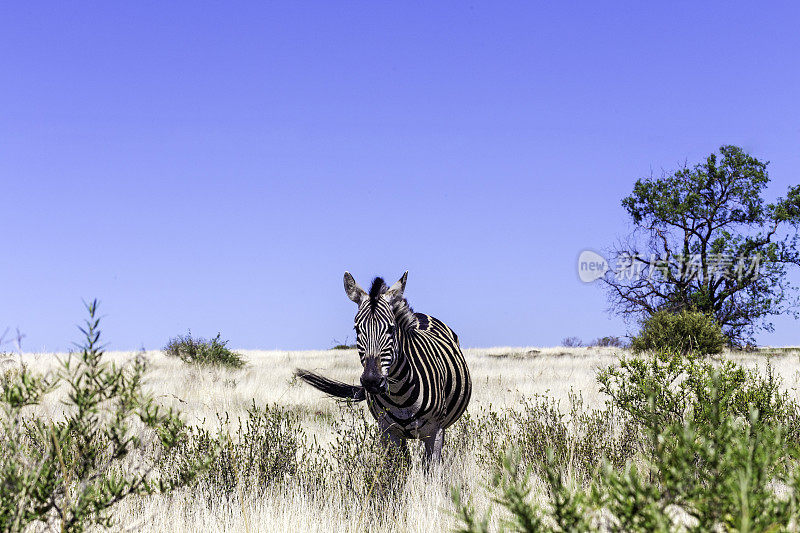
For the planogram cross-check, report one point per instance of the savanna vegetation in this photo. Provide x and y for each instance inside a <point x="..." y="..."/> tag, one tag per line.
<point x="578" y="439"/>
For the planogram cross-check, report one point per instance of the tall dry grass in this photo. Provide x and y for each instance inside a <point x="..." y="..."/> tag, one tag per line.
<point x="502" y="378"/>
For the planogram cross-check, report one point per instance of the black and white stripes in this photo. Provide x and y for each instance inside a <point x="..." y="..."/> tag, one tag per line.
<point x="415" y="379"/>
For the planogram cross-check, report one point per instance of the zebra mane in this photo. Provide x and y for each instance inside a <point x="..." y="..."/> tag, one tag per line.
<point x="377" y="289"/>
<point x="403" y="313"/>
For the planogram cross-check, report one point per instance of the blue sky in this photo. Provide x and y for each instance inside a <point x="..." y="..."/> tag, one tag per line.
<point x="218" y="168"/>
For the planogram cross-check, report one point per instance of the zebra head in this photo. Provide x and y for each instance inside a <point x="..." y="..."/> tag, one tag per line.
<point x="375" y="327"/>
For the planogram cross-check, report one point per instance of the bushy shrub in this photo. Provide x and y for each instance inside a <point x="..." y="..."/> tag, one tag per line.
<point x="669" y="388"/>
<point x="67" y="473"/>
<point x="263" y="449"/>
<point x="571" y="342"/>
<point x="365" y="466"/>
<point x="576" y="436"/>
<point x="199" y="351"/>
<point x="566" y="508"/>
<point x="715" y="442"/>
<point x="580" y="438"/>
<point x="269" y="450"/>
<point x="338" y="345"/>
<point x="608" y="342"/>
<point x="683" y="332"/>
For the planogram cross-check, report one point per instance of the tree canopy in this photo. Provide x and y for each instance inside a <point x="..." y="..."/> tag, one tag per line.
<point x="705" y="239"/>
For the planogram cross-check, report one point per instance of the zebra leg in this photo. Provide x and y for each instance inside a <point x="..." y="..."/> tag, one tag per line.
<point x="397" y="444"/>
<point x="433" y="446"/>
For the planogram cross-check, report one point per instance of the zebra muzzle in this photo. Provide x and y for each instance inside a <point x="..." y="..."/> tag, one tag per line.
<point x="372" y="380"/>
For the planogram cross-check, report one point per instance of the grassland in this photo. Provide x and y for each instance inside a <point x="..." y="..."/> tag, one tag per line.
<point x="503" y="379"/>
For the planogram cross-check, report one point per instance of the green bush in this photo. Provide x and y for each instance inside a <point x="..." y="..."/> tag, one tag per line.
<point x="609" y="341"/>
<point x="667" y="388"/>
<point x="202" y="352"/>
<point x="715" y="444"/>
<point x="580" y="438"/>
<point x="576" y="436"/>
<point x="269" y="447"/>
<point x="266" y="448"/>
<point x="67" y="473"/>
<point x="268" y="451"/>
<point x="566" y="509"/>
<point x="338" y="345"/>
<point x="684" y="332"/>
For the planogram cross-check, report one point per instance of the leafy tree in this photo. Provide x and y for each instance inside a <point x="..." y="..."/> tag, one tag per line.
<point x="706" y="240"/>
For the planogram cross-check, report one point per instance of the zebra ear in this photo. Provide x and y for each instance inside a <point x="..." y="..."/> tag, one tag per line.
<point x="353" y="289"/>
<point x="396" y="291"/>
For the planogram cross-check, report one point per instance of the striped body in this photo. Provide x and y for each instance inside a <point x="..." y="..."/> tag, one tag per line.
<point x="429" y="383"/>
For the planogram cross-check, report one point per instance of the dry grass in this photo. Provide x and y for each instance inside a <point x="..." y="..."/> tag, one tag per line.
<point x="501" y="378"/>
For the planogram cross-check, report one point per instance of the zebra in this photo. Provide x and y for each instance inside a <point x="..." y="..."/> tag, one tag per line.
<point x="415" y="380"/>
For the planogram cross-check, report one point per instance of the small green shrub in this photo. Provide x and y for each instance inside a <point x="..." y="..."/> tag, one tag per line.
<point x="338" y="345"/>
<point x="67" y="473"/>
<point x="683" y="332"/>
<point x="202" y="352"/>
<point x="608" y="342"/>
<point x="580" y="438"/>
<point x="566" y="508"/>
<point x="269" y="452"/>
<point x="264" y="449"/>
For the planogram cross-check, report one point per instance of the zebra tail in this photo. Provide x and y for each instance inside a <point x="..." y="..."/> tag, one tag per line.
<point x="337" y="389"/>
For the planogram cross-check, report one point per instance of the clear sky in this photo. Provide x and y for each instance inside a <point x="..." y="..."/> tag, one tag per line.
<point x="217" y="167"/>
